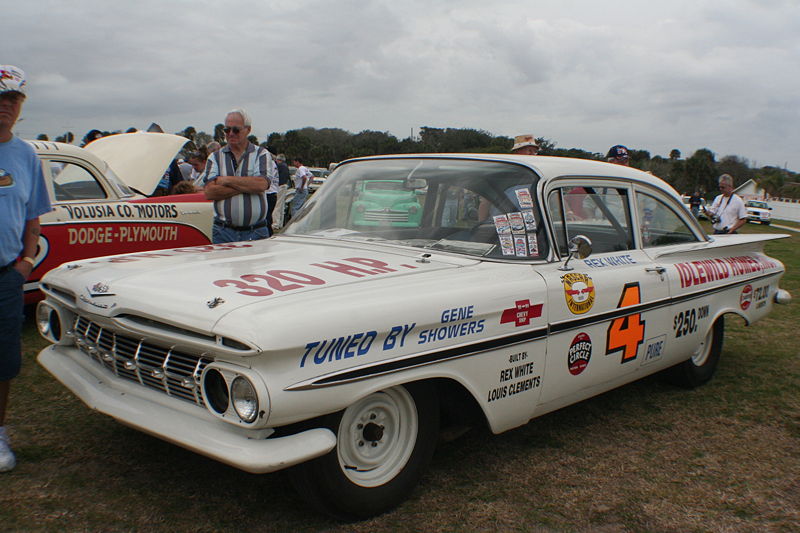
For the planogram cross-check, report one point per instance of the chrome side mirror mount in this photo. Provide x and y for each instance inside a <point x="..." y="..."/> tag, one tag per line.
<point x="580" y="246"/>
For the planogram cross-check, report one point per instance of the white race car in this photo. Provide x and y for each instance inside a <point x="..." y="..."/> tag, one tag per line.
<point x="527" y="284"/>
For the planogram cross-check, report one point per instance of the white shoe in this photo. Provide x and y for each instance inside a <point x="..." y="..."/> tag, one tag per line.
<point x="7" y="459"/>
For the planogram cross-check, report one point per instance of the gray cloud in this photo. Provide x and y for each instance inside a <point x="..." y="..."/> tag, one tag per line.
<point x="706" y="73"/>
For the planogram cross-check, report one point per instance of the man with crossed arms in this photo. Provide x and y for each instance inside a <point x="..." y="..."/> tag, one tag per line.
<point x="239" y="179"/>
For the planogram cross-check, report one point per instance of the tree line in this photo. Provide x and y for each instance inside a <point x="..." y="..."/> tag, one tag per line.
<point x="322" y="146"/>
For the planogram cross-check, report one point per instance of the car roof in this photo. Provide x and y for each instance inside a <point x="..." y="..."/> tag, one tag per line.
<point x="50" y="148"/>
<point x="549" y="167"/>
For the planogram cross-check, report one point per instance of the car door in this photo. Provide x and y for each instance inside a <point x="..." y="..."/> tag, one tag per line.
<point x="607" y="312"/>
<point x="668" y="237"/>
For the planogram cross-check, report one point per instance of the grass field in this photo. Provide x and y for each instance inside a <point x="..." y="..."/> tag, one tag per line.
<point x="645" y="457"/>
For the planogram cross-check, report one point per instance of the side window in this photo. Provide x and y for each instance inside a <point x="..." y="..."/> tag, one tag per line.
<point x="600" y="213"/>
<point x="557" y="216"/>
<point x="73" y="182"/>
<point x="660" y="224"/>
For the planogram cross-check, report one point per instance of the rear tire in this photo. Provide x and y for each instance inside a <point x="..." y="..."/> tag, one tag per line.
<point x="700" y="368"/>
<point x="384" y="443"/>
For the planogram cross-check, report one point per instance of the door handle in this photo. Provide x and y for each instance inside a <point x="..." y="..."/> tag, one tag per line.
<point x="658" y="270"/>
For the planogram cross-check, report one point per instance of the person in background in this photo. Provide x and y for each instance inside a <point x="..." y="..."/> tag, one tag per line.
<point x="694" y="203"/>
<point x="212" y="147"/>
<point x="727" y="211"/>
<point x="525" y="145"/>
<point x="618" y="155"/>
<point x="198" y="160"/>
<point x="184" y="187"/>
<point x="93" y="135"/>
<point x="172" y="176"/>
<point x="186" y="169"/>
<point x="302" y="178"/>
<point x="237" y="180"/>
<point x="23" y="198"/>
<point x="283" y="185"/>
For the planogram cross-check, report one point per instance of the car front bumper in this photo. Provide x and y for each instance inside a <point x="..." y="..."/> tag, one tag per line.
<point x="179" y="422"/>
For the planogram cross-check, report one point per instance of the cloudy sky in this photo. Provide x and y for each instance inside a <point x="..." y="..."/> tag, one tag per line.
<point x="721" y="74"/>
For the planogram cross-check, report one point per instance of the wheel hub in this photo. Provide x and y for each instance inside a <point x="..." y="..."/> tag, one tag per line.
<point x="373" y="432"/>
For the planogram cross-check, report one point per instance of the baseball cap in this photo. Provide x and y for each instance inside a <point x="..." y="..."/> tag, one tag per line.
<point x="617" y="152"/>
<point x="12" y="79"/>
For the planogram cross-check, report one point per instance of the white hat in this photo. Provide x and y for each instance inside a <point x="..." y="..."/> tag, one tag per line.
<point x="521" y="141"/>
<point x="12" y="79"/>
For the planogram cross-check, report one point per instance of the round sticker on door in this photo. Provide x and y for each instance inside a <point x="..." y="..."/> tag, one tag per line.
<point x="746" y="297"/>
<point x="580" y="351"/>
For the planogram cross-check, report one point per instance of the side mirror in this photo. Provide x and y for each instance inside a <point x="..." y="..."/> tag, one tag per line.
<point x="580" y="246"/>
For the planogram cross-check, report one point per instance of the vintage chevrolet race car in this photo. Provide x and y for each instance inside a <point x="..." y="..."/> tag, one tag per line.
<point x="527" y="284"/>
<point x="100" y="204"/>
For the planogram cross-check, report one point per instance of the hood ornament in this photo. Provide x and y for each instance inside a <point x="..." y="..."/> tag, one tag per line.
<point x="99" y="289"/>
<point x="215" y="302"/>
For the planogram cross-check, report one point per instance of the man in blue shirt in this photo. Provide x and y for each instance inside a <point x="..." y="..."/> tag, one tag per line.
<point x="23" y="197"/>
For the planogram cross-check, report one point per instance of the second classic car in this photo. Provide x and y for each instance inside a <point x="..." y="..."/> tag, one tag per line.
<point x="525" y="284"/>
<point x="101" y="204"/>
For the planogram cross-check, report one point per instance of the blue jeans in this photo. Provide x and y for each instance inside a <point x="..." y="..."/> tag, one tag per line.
<point x="11" y="319"/>
<point x="221" y="234"/>
<point x="299" y="200"/>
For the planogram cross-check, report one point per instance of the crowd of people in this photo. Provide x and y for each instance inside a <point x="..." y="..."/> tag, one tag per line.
<point x="246" y="183"/>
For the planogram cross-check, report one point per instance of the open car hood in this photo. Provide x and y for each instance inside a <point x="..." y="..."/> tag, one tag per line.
<point x="139" y="159"/>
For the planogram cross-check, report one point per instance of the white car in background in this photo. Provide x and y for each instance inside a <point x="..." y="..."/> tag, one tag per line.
<point x="319" y="176"/>
<point x="526" y="284"/>
<point x="758" y="211"/>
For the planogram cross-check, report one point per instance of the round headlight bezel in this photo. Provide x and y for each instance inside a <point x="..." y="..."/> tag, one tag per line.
<point x="245" y="400"/>
<point x="54" y="322"/>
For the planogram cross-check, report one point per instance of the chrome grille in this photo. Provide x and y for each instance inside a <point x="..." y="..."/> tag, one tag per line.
<point x="386" y="216"/>
<point x="167" y="370"/>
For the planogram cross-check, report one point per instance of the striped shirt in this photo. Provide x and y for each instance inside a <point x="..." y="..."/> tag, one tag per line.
<point x="244" y="209"/>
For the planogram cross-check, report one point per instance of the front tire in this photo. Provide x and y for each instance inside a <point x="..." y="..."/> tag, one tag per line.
<point x="384" y="443"/>
<point x="700" y="368"/>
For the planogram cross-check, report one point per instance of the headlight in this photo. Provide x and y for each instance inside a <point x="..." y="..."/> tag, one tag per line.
<point x="54" y="323"/>
<point x="236" y="395"/>
<point x="215" y="390"/>
<point x="245" y="399"/>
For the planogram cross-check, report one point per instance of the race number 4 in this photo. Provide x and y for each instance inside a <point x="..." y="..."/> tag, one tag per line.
<point x="626" y="333"/>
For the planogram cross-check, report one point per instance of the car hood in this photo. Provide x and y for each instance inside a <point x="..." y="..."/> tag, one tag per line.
<point x="195" y="288"/>
<point x="139" y="159"/>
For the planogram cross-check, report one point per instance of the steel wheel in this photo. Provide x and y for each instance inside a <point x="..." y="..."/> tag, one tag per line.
<point x="704" y="349"/>
<point x="384" y="443"/>
<point x="376" y="437"/>
<point x="700" y="367"/>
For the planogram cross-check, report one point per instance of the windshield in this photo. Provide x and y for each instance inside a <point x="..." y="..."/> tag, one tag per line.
<point x="477" y="208"/>
<point x="122" y="190"/>
<point x="752" y="203"/>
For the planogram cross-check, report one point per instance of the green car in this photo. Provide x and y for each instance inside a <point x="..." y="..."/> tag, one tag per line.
<point x="386" y="203"/>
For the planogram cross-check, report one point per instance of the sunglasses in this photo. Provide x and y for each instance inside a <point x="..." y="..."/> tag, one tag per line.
<point x="234" y="129"/>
